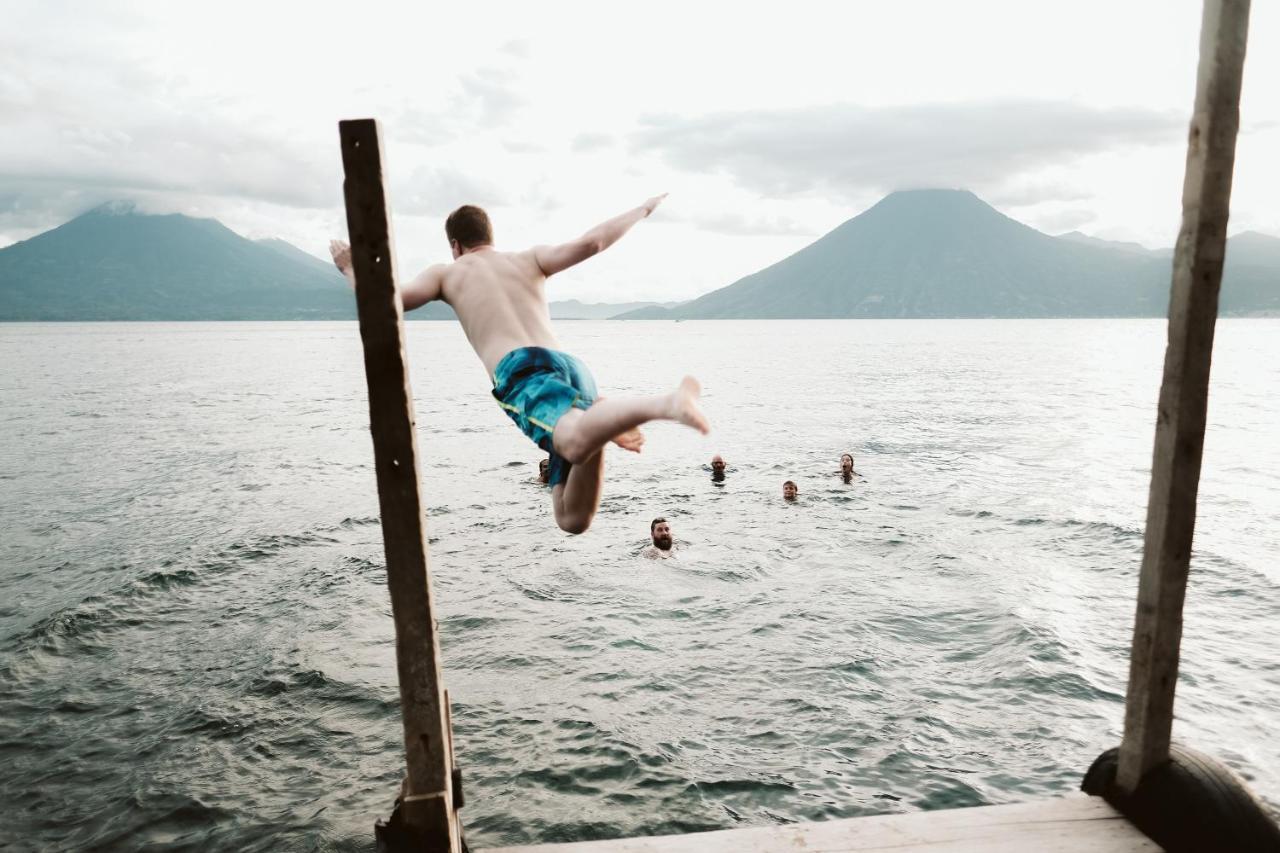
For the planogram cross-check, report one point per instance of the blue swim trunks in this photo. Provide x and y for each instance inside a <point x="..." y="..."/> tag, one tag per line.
<point x="536" y="386"/>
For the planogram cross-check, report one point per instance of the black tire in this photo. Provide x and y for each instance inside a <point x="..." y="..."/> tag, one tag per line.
<point x="1193" y="803"/>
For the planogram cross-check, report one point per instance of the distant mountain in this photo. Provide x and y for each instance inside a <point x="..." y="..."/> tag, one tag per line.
<point x="946" y="253"/>
<point x="432" y="311"/>
<point x="923" y="253"/>
<point x="569" y="309"/>
<point x="651" y="312"/>
<point x="1251" y="249"/>
<point x="291" y="251"/>
<point x="1118" y="245"/>
<point x="572" y="309"/>
<point x="1251" y="280"/>
<point x="114" y="263"/>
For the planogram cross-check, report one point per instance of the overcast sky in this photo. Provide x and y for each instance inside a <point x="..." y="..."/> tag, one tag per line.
<point x="769" y="124"/>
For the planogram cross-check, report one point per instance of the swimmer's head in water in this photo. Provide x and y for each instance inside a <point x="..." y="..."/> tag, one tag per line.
<point x="544" y="470"/>
<point x="846" y="463"/>
<point x="790" y="490"/>
<point x="468" y="227"/>
<point x="660" y="531"/>
<point x="717" y="463"/>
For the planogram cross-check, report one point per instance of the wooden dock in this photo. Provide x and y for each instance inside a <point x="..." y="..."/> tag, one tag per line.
<point x="1072" y="823"/>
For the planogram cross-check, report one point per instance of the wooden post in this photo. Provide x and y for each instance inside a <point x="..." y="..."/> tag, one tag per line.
<point x="1184" y="394"/>
<point x="427" y="804"/>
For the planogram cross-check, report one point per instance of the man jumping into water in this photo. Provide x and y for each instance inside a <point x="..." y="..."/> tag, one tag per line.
<point x="500" y="299"/>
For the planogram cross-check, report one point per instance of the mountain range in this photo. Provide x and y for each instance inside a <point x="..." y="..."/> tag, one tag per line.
<point x="946" y="253"/>
<point x="115" y="263"/>
<point x="920" y="253"/>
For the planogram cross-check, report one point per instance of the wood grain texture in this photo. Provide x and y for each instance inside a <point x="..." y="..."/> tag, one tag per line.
<point x="428" y="801"/>
<point x="1184" y="392"/>
<point x="1072" y="823"/>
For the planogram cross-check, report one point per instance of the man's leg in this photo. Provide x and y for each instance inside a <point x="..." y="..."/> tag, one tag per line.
<point x="580" y="435"/>
<point x="578" y="497"/>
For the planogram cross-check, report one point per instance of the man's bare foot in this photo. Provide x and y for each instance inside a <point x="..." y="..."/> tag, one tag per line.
<point x="632" y="439"/>
<point x="684" y="405"/>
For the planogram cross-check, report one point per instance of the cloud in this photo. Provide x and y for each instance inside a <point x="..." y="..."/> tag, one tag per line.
<point x="1060" y="221"/>
<point x="586" y="142"/>
<point x="519" y="48"/>
<point x="29" y="207"/>
<point x="79" y="133"/>
<point x="737" y="225"/>
<point x="540" y="196"/>
<point x="845" y="151"/>
<point x="434" y="191"/>
<point x="490" y="96"/>
<point x="487" y="99"/>
<point x="523" y="146"/>
<point x="1026" y="192"/>
<point x="423" y="127"/>
<point x="83" y="127"/>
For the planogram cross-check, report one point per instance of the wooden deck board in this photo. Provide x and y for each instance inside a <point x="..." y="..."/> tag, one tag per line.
<point x="1072" y="823"/>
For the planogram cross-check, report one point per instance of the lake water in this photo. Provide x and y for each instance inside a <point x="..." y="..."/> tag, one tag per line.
<point x="195" y="639"/>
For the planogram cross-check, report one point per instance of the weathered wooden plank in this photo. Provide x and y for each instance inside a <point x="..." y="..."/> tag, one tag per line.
<point x="1184" y="393"/>
<point x="1071" y="823"/>
<point x="427" y="807"/>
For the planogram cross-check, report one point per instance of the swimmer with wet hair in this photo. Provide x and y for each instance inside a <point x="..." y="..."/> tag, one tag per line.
<point x="717" y="468"/>
<point x="846" y="467"/>
<point x="663" y="543"/>
<point x="500" y="299"/>
<point x="790" y="490"/>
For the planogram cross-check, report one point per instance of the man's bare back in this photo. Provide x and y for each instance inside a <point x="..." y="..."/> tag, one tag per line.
<point x="500" y="299"/>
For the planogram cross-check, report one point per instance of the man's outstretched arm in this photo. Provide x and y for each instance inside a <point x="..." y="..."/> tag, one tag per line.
<point x="423" y="288"/>
<point x="554" y="259"/>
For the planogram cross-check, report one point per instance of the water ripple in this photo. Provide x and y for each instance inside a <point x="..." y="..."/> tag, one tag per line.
<point x="198" y="647"/>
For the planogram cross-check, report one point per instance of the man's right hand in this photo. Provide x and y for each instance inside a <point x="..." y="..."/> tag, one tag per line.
<point x="652" y="204"/>
<point x="341" y="253"/>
